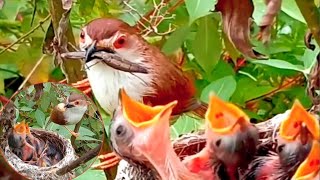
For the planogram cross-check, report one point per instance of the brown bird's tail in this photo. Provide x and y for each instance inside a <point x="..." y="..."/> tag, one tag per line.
<point x="201" y="109"/>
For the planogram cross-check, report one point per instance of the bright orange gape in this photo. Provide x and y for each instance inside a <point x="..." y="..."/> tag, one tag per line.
<point x="310" y="168"/>
<point x="20" y="128"/>
<point x="139" y="114"/>
<point x="290" y="127"/>
<point x="223" y="117"/>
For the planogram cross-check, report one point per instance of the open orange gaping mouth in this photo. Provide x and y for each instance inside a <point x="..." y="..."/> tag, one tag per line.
<point x="310" y="167"/>
<point x="223" y="116"/>
<point x="20" y="127"/>
<point x="139" y="114"/>
<point x="290" y="128"/>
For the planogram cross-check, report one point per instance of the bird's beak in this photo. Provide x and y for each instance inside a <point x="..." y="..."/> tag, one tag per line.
<point x="69" y="105"/>
<point x="299" y="122"/>
<point x="90" y="51"/>
<point x="152" y="130"/>
<point x="310" y="167"/>
<point x="141" y="115"/>
<point x="223" y="117"/>
<point x="20" y="127"/>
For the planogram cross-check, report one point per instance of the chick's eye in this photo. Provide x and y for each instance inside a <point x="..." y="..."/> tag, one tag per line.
<point x="119" y="43"/>
<point x="77" y="102"/>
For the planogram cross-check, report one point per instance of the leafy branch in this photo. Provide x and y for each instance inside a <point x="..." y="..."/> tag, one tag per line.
<point x="26" y="35"/>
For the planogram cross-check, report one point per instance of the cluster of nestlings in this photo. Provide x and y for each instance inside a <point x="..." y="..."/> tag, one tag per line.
<point x="41" y="152"/>
<point x="32" y="150"/>
<point x="140" y="134"/>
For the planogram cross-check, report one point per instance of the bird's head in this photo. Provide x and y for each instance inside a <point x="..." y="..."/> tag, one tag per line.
<point x="296" y="135"/>
<point x="140" y="132"/>
<point x="230" y="134"/>
<point x="310" y="168"/>
<point x="20" y="128"/>
<point x="77" y="102"/>
<point x="113" y="36"/>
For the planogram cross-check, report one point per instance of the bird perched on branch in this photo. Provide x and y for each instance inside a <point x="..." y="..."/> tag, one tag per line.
<point x="164" y="82"/>
<point x="231" y="142"/>
<point x="296" y="135"/>
<point x="70" y="112"/>
<point x="141" y="134"/>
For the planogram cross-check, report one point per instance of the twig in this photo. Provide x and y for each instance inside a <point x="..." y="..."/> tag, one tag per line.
<point x="311" y="14"/>
<point x="81" y="160"/>
<point x="26" y="35"/>
<point x="31" y="72"/>
<point x="282" y="86"/>
<point x="111" y="60"/>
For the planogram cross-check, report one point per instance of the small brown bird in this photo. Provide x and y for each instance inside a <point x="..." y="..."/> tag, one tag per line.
<point x="231" y="142"/>
<point x="18" y="143"/>
<point x="296" y="135"/>
<point x="70" y="112"/>
<point x="141" y="134"/>
<point x="310" y="168"/>
<point x="164" y="82"/>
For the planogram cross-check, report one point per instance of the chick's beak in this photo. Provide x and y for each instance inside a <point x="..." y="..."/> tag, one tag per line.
<point x="299" y="122"/>
<point x="223" y="117"/>
<point x="310" y="168"/>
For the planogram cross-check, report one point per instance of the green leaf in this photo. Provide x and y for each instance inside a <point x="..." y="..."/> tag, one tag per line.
<point x="224" y="88"/>
<point x="47" y="87"/>
<point x="175" y="40"/>
<point x="86" y="7"/>
<point x="207" y="44"/>
<point x="184" y="124"/>
<point x="290" y="7"/>
<point x="309" y="58"/>
<point x="199" y="8"/>
<point x="279" y="64"/>
<point x="245" y="85"/>
<point x="25" y="108"/>
<point x="40" y="117"/>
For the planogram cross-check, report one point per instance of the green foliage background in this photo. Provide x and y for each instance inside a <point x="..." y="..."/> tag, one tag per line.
<point x="262" y="88"/>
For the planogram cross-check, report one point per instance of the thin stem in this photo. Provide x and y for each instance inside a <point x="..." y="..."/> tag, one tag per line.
<point x="26" y="35"/>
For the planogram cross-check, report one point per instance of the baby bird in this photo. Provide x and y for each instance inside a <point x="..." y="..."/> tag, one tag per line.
<point x="70" y="112"/>
<point x="18" y="143"/>
<point x="141" y="134"/>
<point x="231" y="142"/>
<point x="310" y="168"/>
<point x="296" y="135"/>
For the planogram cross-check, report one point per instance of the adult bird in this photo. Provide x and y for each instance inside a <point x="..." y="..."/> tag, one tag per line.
<point x="164" y="82"/>
<point x="141" y="135"/>
<point x="296" y="134"/>
<point x="231" y="142"/>
<point x="70" y="112"/>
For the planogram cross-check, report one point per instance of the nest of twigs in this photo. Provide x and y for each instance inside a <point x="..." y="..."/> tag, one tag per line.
<point x="35" y="172"/>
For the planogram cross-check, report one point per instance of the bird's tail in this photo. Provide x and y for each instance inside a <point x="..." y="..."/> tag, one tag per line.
<point x="201" y="109"/>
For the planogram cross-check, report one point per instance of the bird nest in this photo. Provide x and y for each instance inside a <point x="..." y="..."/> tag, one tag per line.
<point x="35" y="172"/>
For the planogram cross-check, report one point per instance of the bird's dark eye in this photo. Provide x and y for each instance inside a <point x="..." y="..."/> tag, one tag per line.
<point x="119" y="43"/>
<point x="218" y="142"/>
<point x="76" y="103"/>
<point x="120" y="130"/>
<point x="82" y="36"/>
<point x="280" y="148"/>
